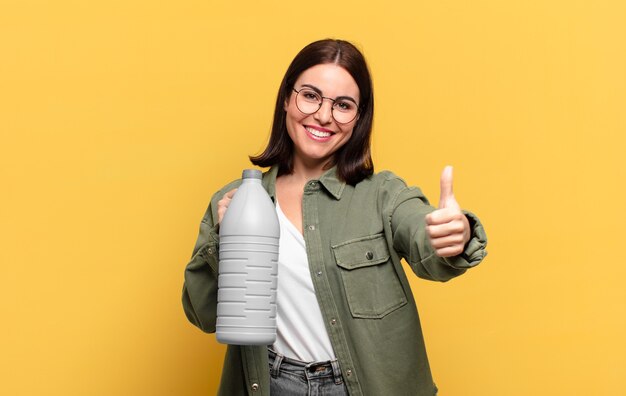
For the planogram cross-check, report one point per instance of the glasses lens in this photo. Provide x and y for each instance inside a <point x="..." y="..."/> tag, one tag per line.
<point x="308" y="101"/>
<point x="344" y="111"/>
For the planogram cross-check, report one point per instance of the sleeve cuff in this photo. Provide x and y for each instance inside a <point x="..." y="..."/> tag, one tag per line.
<point x="210" y="250"/>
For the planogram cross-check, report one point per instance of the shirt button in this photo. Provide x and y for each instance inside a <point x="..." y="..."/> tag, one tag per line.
<point x="313" y="184"/>
<point x="369" y="255"/>
<point x="348" y="372"/>
<point x="255" y="387"/>
<point x="312" y="227"/>
<point x="319" y="273"/>
<point x="333" y="321"/>
<point x="210" y="250"/>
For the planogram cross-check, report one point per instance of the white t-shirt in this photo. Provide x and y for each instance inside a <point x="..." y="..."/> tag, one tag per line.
<point x="300" y="328"/>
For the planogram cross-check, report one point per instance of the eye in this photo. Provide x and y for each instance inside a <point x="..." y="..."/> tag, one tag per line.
<point x="344" y="105"/>
<point x="310" y="96"/>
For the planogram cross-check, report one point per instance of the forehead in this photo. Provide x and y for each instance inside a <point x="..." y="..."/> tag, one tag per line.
<point x="331" y="79"/>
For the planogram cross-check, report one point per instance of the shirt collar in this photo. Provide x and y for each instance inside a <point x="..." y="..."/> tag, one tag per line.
<point x="332" y="183"/>
<point x="269" y="182"/>
<point x="329" y="180"/>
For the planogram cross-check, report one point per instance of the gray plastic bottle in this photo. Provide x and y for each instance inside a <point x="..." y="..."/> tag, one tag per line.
<point x="248" y="268"/>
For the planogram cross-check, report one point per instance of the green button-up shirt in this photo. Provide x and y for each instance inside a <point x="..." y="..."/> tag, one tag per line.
<point x="355" y="239"/>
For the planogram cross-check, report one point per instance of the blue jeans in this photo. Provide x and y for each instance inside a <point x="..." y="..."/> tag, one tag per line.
<point x="290" y="377"/>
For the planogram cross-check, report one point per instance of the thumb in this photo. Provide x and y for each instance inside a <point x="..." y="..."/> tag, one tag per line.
<point x="446" y="199"/>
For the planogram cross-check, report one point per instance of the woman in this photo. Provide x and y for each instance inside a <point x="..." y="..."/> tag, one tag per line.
<point x="347" y="320"/>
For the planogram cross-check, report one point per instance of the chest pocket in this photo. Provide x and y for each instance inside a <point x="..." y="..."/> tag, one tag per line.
<point x="371" y="283"/>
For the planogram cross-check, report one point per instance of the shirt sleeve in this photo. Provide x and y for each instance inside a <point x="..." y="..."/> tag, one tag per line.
<point x="200" y="286"/>
<point x="408" y="208"/>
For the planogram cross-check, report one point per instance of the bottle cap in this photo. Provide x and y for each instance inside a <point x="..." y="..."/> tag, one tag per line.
<point x="252" y="174"/>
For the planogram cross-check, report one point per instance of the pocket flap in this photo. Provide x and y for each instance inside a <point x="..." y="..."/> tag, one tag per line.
<point x="361" y="252"/>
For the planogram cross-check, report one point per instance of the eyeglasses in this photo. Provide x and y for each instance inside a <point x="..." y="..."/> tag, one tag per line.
<point x="309" y="101"/>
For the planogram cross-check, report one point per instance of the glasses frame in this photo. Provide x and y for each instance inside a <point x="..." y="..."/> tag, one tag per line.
<point x="332" y="108"/>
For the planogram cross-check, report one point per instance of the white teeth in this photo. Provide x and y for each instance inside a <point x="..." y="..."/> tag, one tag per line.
<point x="317" y="133"/>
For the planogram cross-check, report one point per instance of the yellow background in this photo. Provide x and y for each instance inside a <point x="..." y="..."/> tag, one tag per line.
<point x="119" y="119"/>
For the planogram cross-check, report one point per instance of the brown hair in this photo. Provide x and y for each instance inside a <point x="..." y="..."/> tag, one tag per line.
<point x="353" y="159"/>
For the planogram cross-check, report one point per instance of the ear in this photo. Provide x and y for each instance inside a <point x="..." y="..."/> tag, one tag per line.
<point x="286" y="104"/>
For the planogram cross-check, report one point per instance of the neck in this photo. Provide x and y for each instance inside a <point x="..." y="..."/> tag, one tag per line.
<point x="307" y="170"/>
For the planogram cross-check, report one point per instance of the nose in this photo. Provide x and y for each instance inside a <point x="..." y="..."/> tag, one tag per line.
<point x="325" y="113"/>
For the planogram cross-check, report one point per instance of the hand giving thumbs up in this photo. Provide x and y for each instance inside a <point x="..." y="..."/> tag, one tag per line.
<point x="447" y="227"/>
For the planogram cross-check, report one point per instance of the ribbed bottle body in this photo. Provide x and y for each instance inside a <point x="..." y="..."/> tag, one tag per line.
<point x="246" y="310"/>
<point x="248" y="267"/>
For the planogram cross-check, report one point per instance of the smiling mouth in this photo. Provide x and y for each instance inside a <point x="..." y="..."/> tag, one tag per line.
<point x="318" y="133"/>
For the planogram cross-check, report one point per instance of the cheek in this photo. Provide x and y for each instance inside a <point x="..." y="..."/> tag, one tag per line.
<point x="348" y="132"/>
<point x="292" y="113"/>
<point x="292" y="122"/>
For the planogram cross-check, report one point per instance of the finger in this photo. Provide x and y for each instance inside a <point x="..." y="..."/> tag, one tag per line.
<point x="220" y="213"/>
<point x="229" y="195"/>
<point x="446" y="187"/>
<point x="223" y="203"/>
<point x="442" y="230"/>
<point x="442" y="216"/>
<point x="450" y="251"/>
<point x="226" y="198"/>
<point x="447" y="241"/>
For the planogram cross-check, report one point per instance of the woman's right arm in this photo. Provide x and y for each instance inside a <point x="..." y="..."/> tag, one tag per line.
<point x="200" y="287"/>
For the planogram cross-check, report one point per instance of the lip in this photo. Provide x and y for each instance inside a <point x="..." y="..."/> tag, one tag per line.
<point x="319" y="128"/>
<point x="320" y="139"/>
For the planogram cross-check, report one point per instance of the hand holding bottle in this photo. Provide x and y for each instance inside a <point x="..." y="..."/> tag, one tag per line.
<point x="223" y="203"/>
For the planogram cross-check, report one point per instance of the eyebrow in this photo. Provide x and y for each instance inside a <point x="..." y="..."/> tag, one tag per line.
<point x="319" y="92"/>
